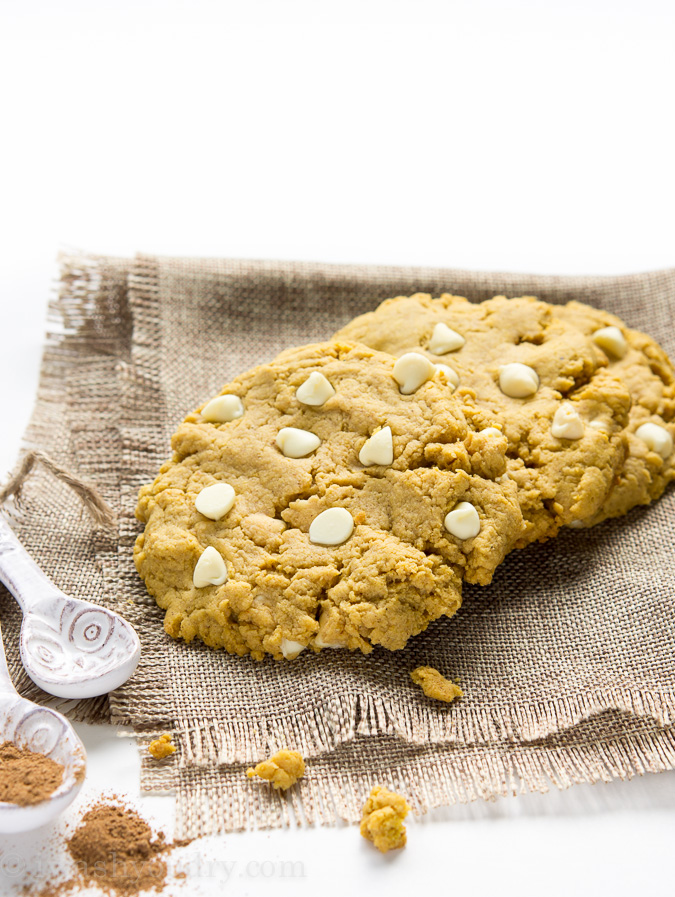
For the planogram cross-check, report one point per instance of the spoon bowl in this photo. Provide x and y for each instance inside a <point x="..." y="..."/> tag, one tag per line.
<point x="74" y="649"/>
<point x="70" y="648"/>
<point x="43" y="731"/>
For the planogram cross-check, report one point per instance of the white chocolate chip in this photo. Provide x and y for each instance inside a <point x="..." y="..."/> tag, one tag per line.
<point x="222" y="409"/>
<point x="566" y="423"/>
<point x="291" y="649"/>
<point x="295" y="443"/>
<point x="599" y="424"/>
<point x="319" y="643"/>
<point x="656" y="438"/>
<point x="210" y="569"/>
<point x="611" y="340"/>
<point x="444" y="340"/>
<point x="451" y="376"/>
<point x="491" y="431"/>
<point x="518" y="380"/>
<point x="411" y="371"/>
<point x="379" y="449"/>
<point x="315" y="390"/>
<point x="463" y="521"/>
<point x="215" y="501"/>
<point x="576" y="524"/>
<point x="331" y="527"/>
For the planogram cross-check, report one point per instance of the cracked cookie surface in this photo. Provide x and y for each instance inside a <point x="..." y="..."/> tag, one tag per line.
<point x="323" y="550"/>
<point x="563" y="403"/>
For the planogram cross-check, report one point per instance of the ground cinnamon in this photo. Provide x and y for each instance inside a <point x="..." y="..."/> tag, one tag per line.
<point x="27" y="777"/>
<point x="115" y="849"/>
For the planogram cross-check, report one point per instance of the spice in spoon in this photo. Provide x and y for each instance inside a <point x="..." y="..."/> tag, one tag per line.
<point x="27" y="777"/>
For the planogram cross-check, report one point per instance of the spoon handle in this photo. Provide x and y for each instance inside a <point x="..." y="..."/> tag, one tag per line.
<point x="20" y="573"/>
<point x="6" y="684"/>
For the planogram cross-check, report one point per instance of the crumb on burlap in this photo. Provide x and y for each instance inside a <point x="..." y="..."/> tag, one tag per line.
<point x="161" y="747"/>
<point x="436" y="686"/>
<point x="382" y="822"/>
<point x="283" y="769"/>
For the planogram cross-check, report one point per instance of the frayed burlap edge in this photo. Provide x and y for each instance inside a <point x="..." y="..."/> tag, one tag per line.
<point x="335" y="786"/>
<point x="213" y="742"/>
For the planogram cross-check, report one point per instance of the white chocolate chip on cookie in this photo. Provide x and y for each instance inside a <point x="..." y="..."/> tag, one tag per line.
<point x="320" y="643"/>
<point x="296" y="443"/>
<point x="491" y="431"/>
<point x="518" y="380"/>
<point x="331" y="527"/>
<point x="379" y="449"/>
<point x="463" y="521"/>
<point x="411" y="371"/>
<point x="566" y="423"/>
<point x="599" y="424"/>
<point x="444" y="340"/>
<point x="656" y="438"/>
<point x="210" y="569"/>
<point x="611" y="340"/>
<point x="222" y="409"/>
<point x="315" y="390"/>
<point x="291" y="649"/>
<point x="215" y="501"/>
<point x="451" y="376"/>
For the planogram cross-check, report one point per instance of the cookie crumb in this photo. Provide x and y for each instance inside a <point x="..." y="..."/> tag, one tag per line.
<point x="161" y="747"/>
<point x="436" y="686"/>
<point x="283" y="769"/>
<point x="382" y="822"/>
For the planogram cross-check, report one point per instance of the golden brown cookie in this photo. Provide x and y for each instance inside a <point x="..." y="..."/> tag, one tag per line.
<point x="316" y="504"/>
<point x="562" y="401"/>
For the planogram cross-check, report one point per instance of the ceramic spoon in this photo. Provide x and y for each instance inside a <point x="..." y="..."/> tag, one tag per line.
<point x="46" y="732"/>
<point x="70" y="648"/>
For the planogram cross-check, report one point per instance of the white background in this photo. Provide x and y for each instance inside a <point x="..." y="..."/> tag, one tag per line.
<point x="516" y="136"/>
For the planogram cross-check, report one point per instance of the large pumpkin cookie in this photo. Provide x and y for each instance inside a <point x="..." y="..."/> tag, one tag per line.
<point x="333" y="498"/>
<point x="561" y="402"/>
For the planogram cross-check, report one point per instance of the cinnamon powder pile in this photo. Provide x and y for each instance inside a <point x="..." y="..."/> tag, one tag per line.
<point x="27" y="777"/>
<point x="115" y="849"/>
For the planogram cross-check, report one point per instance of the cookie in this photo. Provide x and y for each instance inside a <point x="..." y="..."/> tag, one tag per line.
<point x="539" y="378"/>
<point x="647" y="372"/>
<point x="325" y="500"/>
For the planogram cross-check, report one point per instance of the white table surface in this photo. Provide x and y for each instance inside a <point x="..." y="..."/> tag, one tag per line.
<point x="523" y="136"/>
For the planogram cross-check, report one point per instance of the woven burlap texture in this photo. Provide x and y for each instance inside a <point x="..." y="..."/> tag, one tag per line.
<point x="565" y="659"/>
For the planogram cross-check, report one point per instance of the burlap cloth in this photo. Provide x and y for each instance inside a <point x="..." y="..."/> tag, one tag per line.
<point x="566" y="659"/>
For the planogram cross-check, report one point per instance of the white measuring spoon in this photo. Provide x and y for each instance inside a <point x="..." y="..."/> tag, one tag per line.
<point x="46" y="732"/>
<point x="70" y="648"/>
